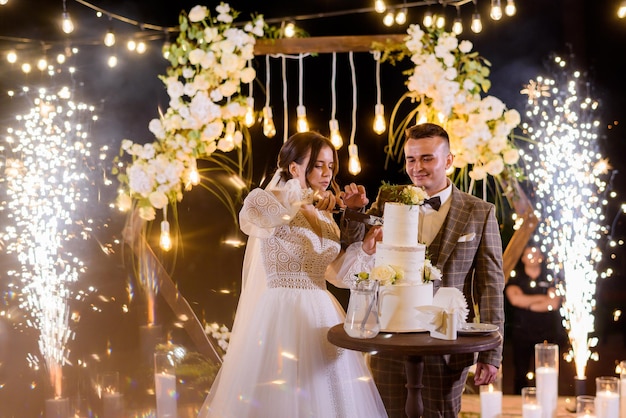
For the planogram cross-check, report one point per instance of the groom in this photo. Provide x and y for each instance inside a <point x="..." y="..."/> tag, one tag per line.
<point x="463" y="240"/>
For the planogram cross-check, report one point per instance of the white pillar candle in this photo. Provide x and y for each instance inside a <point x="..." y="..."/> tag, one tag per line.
<point x="607" y="404"/>
<point x="165" y="388"/>
<point x="112" y="405"/>
<point x="547" y="390"/>
<point x="622" y="401"/>
<point x="490" y="402"/>
<point x="58" y="408"/>
<point x="531" y="411"/>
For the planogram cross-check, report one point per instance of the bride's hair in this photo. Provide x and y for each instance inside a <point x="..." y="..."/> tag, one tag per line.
<point x="298" y="147"/>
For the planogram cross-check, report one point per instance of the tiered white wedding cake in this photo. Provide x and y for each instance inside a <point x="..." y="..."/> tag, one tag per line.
<point x="401" y="251"/>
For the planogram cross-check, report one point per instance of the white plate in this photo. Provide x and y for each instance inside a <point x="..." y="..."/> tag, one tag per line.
<point x="468" y="329"/>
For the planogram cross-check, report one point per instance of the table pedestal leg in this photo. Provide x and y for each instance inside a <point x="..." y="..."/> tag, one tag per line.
<point x="414" y="366"/>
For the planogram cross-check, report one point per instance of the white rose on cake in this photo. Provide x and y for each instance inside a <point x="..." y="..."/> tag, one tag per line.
<point x="386" y="274"/>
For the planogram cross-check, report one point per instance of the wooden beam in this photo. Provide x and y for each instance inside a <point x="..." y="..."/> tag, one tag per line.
<point x="323" y="44"/>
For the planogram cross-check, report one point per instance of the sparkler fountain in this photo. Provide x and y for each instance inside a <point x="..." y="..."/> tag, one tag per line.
<point x="567" y="170"/>
<point x="47" y="179"/>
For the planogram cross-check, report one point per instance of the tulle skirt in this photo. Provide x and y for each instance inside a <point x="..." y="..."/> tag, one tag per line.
<point x="280" y="364"/>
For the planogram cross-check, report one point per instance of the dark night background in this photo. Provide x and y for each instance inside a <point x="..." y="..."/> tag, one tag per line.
<point x="586" y="32"/>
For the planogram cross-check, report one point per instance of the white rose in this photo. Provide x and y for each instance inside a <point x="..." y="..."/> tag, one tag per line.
<point x="158" y="199"/>
<point x="198" y="13"/>
<point x="156" y="127"/>
<point x="465" y="46"/>
<point x="385" y="274"/>
<point x="196" y="56"/>
<point x="510" y="156"/>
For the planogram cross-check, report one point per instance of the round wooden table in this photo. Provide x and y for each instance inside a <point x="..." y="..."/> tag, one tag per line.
<point x="412" y="346"/>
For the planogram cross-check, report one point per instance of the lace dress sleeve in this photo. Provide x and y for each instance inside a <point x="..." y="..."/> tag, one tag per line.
<point x="354" y="260"/>
<point x="264" y="210"/>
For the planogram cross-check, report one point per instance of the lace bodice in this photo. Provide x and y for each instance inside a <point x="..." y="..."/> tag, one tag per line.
<point x="294" y="255"/>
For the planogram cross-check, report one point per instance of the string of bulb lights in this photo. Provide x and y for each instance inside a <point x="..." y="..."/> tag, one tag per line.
<point x="137" y="42"/>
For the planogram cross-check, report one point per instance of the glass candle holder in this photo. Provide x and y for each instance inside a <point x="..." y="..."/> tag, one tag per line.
<point x="165" y="385"/>
<point x="547" y="375"/>
<point x="585" y="406"/>
<point x="622" y="385"/>
<point x="607" y="397"/>
<point x="491" y="399"/>
<point x="530" y="404"/>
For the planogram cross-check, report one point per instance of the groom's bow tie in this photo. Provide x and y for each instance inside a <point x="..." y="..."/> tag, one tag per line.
<point x="434" y="202"/>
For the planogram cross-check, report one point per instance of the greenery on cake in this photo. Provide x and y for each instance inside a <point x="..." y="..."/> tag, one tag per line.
<point x="407" y="195"/>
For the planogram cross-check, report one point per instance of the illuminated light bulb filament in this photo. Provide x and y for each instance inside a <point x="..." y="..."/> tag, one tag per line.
<point x="388" y="19"/>
<point x="249" y="116"/>
<point x="11" y="57"/>
<point x="302" y="124"/>
<point x="165" y="241"/>
<point x="380" y="6"/>
<point x="354" y="165"/>
<point x="67" y="25"/>
<point x="109" y="38"/>
<point x="269" y="130"/>
<point x="440" y="22"/>
<point x="510" y="8"/>
<point x="477" y="24"/>
<point x="428" y="19"/>
<point x="194" y="175"/>
<point x="290" y="30"/>
<point x="621" y="11"/>
<point x="496" y="10"/>
<point x="457" y="26"/>
<point x="401" y="17"/>
<point x="379" y="119"/>
<point x="335" y="135"/>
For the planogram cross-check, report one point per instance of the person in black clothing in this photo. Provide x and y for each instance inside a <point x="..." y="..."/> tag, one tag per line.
<point x="534" y="315"/>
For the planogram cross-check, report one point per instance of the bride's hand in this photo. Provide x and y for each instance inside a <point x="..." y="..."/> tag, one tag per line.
<point x="327" y="201"/>
<point x="374" y="235"/>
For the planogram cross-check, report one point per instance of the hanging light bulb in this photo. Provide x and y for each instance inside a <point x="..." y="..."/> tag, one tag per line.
<point x="496" y="10"/>
<point x="510" y="8"/>
<point x="290" y="30"/>
<point x="388" y="19"/>
<point x="335" y="135"/>
<point x="428" y="19"/>
<point x="12" y="57"/>
<point x="248" y="119"/>
<point x="194" y="175"/>
<point x="109" y="38"/>
<point x="61" y="58"/>
<point x="440" y="21"/>
<point x="457" y="26"/>
<point x="621" y="11"/>
<point x="379" y="119"/>
<point x="269" y="130"/>
<point x="401" y="17"/>
<point x="42" y="64"/>
<point x="354" y="165"/>
<point x="26" y="68"/>
<point x="165" y="241"/>
<point x="380" y="6"/>
<point x="112" y="61"/>
<point x="302" y="124"/>
<point x="229" y="136"/>
<point x="131" y="45"/>
<point x="477" y="25"/>
<point x="141" y="47"/>
<point x="165" y="49"/>
<point x="66" y="24"/>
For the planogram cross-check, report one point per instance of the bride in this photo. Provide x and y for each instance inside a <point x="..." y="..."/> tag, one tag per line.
<point x="279" y="362"/>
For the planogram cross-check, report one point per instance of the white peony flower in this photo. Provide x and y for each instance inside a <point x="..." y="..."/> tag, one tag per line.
<point x="156" y="127"/>
<point x="198" y="13"/>
<point x="158" y="199"/>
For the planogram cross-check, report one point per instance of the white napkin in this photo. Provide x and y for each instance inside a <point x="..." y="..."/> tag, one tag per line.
<point x="445" y="315"/>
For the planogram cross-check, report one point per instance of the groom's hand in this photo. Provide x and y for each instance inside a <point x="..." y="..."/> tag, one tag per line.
<point x="354" y="196"/>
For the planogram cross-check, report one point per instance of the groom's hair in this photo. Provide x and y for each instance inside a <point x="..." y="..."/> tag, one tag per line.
<point x="426" y="130"/>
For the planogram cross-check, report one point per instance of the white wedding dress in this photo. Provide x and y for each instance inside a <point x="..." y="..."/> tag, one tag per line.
<point x="279" y="362"/>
